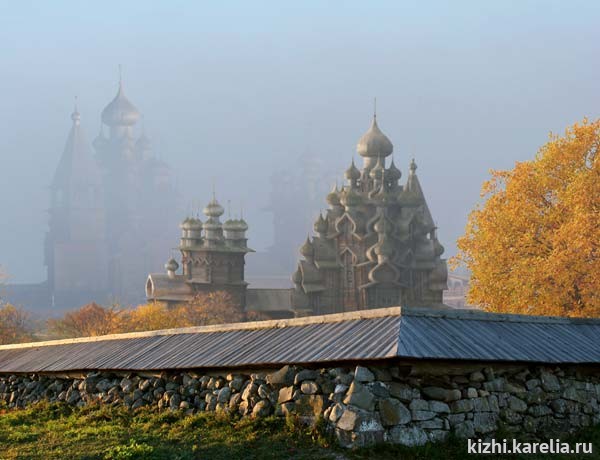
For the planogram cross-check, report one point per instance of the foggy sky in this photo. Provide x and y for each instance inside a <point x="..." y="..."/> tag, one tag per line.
<point x="237" y="90"/>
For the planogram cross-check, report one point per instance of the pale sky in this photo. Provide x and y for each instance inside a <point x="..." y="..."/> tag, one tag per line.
<point x="236" y="90"/>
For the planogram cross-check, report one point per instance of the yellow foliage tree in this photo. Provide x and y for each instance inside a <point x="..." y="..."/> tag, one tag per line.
<point x="15" y="325"/>
<point x="533" y="246"/>
<point x="150" y="317"/>
<point x="90" y="320"/>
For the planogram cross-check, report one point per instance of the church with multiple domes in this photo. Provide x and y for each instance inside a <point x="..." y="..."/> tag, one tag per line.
<point x="376" y="246"/>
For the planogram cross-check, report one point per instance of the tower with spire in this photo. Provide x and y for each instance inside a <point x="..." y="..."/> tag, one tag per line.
<point x="376" y="246"/>
<point x="75" y="244"/>
<point x="121" y="198"/>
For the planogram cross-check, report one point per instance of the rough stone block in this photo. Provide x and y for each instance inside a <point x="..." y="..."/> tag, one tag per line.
<point x="393" y="412"/>
<point x="439" y="407"/>
<point x="477" y="377"/>
<point x="306" y="374"/>
<point x="362" y="374"/>
<point x="465" y="429"/>
<point x="261" y="409"/>
<point x="403" y="392"/>
<point x="420" y="415"/>
<point x="485" y="422"/>
<point x="310" y="405"/>
<point x="407" y="436"/>
<point x="539" y="410"/>
<point x="516" y="405"/>
<point x="549" y="381"/>
<point x="285" y="394"/>
<point x="309" y="387"/>
<point x="463" y="405"/>
<point x="360" y="396"/>
<point x="284" y="376"/>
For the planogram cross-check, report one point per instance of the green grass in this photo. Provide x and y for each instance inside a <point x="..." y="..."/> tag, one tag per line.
<point x="56" y="431"/>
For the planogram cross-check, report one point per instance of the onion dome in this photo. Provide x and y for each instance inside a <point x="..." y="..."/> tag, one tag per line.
<point x="213" y="209"/>
<point x="242" y="226"/>
<point x="374" y="143"/>
<point x="333" y="198"/>
<point x="377" y="172"/>
<point x="195" y="224"/>
<point x="186" y="224"/>
<point x="321" y="225"/>
<point x="212" y="224"/>
<point x="438" y="249"/>
<point x="350" y="198"/>
<point x="385" y="247"/>
<point x="230" y="225"/>
<point x="120" y="111"/>
<point x="393" y="173"/>
<point x="171" y="265"/>
<point x="379" y="226"/>
<point x="352" y="173"/>
<point x="297" y="276"/>
<point x="307" y="248"/>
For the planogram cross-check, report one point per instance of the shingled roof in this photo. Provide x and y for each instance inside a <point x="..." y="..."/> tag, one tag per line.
<point x="383" y="334"/>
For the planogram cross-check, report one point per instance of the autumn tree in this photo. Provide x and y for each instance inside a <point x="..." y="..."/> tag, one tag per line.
<point x="210" y="308"/>
<point x="90" y="320"/>
<point x="532" y="245"/>
<point x="15" y="325"/>
<point x="150" y="317"/>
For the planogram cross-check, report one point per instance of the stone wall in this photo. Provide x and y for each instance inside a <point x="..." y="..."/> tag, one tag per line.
<point x="402" y="403"/>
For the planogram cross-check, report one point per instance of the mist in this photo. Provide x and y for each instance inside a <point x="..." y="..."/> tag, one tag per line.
<point x="233" y="92"/>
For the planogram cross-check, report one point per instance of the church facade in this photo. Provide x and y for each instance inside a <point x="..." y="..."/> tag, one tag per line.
<point x="376" y="246"/>
<point x="212" y="259"/>
<point x="110" y="211"/>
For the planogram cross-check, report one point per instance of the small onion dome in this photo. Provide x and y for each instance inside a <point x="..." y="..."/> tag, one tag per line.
<point x="333" y="197"/>
<point x="242" y="226"/>
<point x="213" y="209"/>
<point x="186" y="224"/>
<point x="297" y="276"/>
<point x="195" y="224"/>
<point x="379" y="226"/>
<point x="378" y="171"/>
<point x="350" y="198"/>
<point x="230" y="225"/>
<point x="352" y="173"/>
<point x="374" y="143"/>
<point x="385" y="247"/>
<point x="393" y="173"/>
<point x="438" y="249"/>
<point x="171" y="265"/>
<point x="321" y="224"/>
<point x="120" y="111"/>
<point x="212" y="224"/>
<point x="307" y="248"/>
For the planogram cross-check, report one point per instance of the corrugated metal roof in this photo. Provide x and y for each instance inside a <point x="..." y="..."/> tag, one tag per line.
<point x="366" y="335"/>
